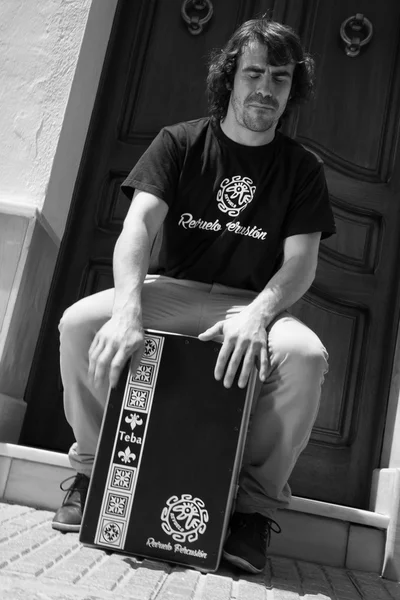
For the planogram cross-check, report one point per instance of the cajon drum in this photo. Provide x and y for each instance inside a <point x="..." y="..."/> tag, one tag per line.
<point x="168" y="456"/>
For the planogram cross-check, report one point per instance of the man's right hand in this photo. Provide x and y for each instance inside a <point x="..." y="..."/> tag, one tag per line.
<point x="119" y="339"/>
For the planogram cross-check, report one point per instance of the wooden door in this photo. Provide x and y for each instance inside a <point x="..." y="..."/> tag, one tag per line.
<point x="353" y="124"/>
<point x="154" y="75"/>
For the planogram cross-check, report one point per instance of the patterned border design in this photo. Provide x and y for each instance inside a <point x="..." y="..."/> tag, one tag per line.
<point x="144" y="375"/>
<point x="110" y="532"/>
<point x="152" y="347"/>
<point x="128" y="447"/>
<point x="137" y="398"/>
<point x="121" y="479"/>
<point x="116" y="505"/>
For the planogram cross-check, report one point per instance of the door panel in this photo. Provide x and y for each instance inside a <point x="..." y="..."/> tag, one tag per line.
<point x="353" y="304"/>
<point x="353" y="131"/>
<point x="154" y="75"/>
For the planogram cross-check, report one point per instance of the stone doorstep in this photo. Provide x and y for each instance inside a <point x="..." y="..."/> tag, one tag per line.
<point x="313" y="531"/>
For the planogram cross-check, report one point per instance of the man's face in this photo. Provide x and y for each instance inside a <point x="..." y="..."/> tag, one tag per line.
<point x="260" y="90"/>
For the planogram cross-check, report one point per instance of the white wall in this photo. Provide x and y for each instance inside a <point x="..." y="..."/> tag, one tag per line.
<point x="39" y="48"/>
<point x="77" y="114"/>
<point x="51" y="57"/>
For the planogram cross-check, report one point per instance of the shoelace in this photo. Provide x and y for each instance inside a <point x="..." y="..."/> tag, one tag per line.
<point x="270" y="527"/>
<point x="259" y="532"/>
<point x="74" y="485"/>
<point x="71" y="487"/>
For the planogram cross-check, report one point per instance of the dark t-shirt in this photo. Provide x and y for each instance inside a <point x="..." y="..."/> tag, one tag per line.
<point x="230" y="206"/>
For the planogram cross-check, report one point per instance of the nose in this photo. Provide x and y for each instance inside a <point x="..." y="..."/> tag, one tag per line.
<point x="265" y="85"/>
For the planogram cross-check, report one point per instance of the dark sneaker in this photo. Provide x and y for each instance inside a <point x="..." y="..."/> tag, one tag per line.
<point x="249" y="536"/>
<point x="69" y="515"/>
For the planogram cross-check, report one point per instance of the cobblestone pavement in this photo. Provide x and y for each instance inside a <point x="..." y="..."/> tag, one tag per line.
<point x="38" y="563"/>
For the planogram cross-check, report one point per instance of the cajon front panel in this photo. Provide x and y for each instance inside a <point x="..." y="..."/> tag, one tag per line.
<point x="168" y="455"/>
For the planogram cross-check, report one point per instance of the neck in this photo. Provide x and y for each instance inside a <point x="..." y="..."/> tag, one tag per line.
<point x="240" y="134"/>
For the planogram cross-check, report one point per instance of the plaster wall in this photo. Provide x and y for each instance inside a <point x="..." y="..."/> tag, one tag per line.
<point x="52" y="54"/>
<point x="39" y="44"/>
<point x="77" y="115"/>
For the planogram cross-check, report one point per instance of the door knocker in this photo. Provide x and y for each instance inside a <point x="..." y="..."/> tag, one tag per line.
<point x="356" y="31"/>
<point x="200" y="11"/>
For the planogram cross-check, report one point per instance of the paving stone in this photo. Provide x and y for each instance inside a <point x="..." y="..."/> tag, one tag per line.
<point x="370" y="586"/>
<point x="38" y="563"/>
<point x="20" y="546"/>
<point x="146" y="576"/>
<point x="9" y="511"/>
<point x="247" y="590"/>
<point x="282" y="594"/>
<point x="20" y="523"/>
<point x="318" y="596"/>
<point x="108" y="575"/>
<point x="74" y="566"/>
<point x="314" y="582"/>
<point x="44" y="557"/>
<point x="341" y="584"/>
<point x="392" y="587"/>
<point x="180" y="585"/>
<point x="284" y="576"/>
<point x="16" y="589"/>
<point x="216" y="587"/>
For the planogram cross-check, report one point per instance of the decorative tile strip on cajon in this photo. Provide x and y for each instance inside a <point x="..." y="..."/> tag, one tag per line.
<point x="127" y="451"/>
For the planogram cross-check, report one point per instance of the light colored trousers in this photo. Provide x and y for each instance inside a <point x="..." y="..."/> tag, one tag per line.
<point x="284" y="411"/>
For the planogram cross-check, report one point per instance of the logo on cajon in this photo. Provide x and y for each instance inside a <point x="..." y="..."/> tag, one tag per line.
<point x="184" y="518"/>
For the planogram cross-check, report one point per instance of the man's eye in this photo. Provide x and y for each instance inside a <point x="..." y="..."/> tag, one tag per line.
<point x="254" y="75"/>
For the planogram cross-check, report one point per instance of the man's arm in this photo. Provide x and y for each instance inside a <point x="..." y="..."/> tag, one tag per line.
<point x="245" y="334"/>
<point x="132" y="250"/>
<point x="290" y="283"/>
<point x="122" y="335"/>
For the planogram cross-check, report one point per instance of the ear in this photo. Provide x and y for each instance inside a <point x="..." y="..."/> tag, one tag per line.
<point x="228" y="86"/>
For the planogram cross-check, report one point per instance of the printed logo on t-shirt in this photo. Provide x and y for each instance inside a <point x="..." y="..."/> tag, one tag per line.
<point x="235" y="194"/>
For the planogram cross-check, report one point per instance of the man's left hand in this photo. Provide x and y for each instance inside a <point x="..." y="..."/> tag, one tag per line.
<point x="244" y="337"/>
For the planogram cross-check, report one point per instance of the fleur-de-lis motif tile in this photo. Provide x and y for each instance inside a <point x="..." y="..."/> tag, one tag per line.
<point x="126" y="455"/>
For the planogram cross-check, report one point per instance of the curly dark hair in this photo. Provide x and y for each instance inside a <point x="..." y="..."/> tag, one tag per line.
<point x="284" y="46"/>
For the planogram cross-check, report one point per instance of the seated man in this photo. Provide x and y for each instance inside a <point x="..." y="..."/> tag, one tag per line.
<point x="242" y="209"/>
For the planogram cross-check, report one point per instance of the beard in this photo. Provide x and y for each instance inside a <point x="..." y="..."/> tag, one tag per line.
<point x="253" y="118"/>
<point x="258" y="119"/>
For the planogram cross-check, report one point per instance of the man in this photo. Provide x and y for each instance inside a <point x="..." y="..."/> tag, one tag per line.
<point x="242" y="209"/>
